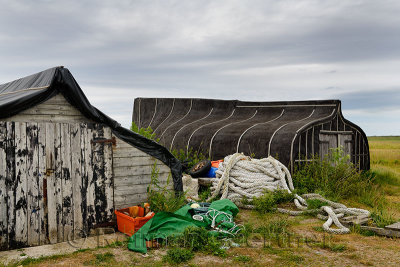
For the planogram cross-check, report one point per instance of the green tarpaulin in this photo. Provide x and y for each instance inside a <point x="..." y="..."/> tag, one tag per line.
<point x="165" y="224"/>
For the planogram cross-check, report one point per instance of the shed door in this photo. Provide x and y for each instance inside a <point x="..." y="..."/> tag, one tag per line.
<point x="335" y="139"/>
<point x="55" y="181"/>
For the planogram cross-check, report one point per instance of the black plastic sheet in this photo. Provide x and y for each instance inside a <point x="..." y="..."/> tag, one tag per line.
<point x="32" y="90"/>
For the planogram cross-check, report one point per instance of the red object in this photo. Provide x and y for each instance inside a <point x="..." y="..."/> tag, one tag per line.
<point x="127" y="224"/>
<point x="216" y="163"/>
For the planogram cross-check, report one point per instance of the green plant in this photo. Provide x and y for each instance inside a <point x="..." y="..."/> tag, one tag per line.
<point x="189" y="158"/>
<point x="357" y="229"/>
<point x="242" y="258"/>
<point x="101" y="259"/>
<point x="381" y="217"/>
<point x="204" y="193"/>
<point x="273" y="226"/>
<point x="146" y="132"/>
<point x="334" y="176"/>
<point x="178" y="255"/>
<point x="198" y="239"/>
<point x="269" y="200"/>
<point x="338" y="247"/>
<point x="161" y="197"/>
<point x="315" y="204"/>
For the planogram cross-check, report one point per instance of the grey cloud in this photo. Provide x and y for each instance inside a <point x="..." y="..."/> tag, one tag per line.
<point x="372" y="101"/>
<point x="191" y="48"/>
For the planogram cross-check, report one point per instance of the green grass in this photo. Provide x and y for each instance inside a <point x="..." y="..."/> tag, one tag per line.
<point x="242" y="258"/>
<point x="178" y="255"/>
<point x="385" y="167"/>
<point x="102" y="259"/>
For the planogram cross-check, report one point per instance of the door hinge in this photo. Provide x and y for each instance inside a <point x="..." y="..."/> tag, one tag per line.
<point x="104" y="141"/>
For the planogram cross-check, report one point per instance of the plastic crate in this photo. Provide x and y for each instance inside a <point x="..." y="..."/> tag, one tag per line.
<point x="127" y="224"/>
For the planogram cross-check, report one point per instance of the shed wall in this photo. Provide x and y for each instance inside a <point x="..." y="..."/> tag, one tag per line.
<point x="55" y="109"/>
<point x="132" y="174"/>
<point x="56" y="183"/>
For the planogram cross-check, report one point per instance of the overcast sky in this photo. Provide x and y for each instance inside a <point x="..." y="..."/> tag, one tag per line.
<point x="247" y="50"/>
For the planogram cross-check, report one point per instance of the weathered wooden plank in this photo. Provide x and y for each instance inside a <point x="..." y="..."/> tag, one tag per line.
<point x="56" y="109"/>
<point x="67" y="214"/>
<point x="58" y="174"/>
<point x="21" y="228"/>
<point x="135" y="161"/>
<point x="138" y="170"/>
<point x="128" y="152"/>
<point x="131" y="180"/>
<point x="42" y="184"/>
<point x="11" y="184"/>
<point x="382" y="231"/>
<point x="129" y="200"/>
<point x="108" y="175"/>
<point x="76" y="178"/>
<point x="45" y="111"/>
<point x="33" y="183"/>
<point x="98" y="175"/>
<point x="121" y="144"/>
<point x="90" y="188"/>
<point x="128" y="190"/>
<point x="48" y="118"/>
<point x="84" y="172"/>
<point x="137" y="180"/>
<point x="55" y="105"/>
<point x="327" y="141"/>
<point x="394" y="226"/>
<point x="51" y="182"/>
<point x="3" y="188"/>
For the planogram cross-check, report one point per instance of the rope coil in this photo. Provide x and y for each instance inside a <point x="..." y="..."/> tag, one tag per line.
<point x="241" y="176"/>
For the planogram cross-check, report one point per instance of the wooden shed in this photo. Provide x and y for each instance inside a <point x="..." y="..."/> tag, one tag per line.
<point x="64" y="165"/>
<point x="292" y="131"/>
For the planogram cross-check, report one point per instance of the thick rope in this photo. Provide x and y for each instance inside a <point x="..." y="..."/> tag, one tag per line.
<point x="240" y="176"/>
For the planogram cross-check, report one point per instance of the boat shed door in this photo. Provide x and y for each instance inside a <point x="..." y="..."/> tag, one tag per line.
<point x="55" y="181"/>
<point x="335" y="139"/>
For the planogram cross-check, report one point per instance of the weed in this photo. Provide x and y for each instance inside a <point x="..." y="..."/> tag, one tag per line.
<point x="196" y="238"/>
<point x="146" y="132"/>
<point x="178" y="255"/>
<point x="330" y="246"/>
<point x="204" y="193"/>
<point x="338" y="247"/>
<point x="160" y="197"/>
<point x="269" y="200"/>
<point x="29" y="260"/>
<point x="245" y="234"/>
<point x="336" y="178"/>
<point x="385" y="177"/>
<point x="118" y="244"/>
<point x="188" y="159"/>
<point x="295" y="258"/>
<point x="315" y="204"/>
<point x="318" y="229"/>
<point x="357" y="229"/>
<point x="381" y="217"/>
<point x="101" y="259"/>
<point x="242" y="258"/>
<point x="273" y="226"/>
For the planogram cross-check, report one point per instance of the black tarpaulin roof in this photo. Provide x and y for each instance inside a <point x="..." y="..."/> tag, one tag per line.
<point x="32" y="90"/>
<point x="219" y="128"/>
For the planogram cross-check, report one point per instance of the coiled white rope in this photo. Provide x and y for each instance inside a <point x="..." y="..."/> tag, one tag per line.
<point x="241" y="176"/>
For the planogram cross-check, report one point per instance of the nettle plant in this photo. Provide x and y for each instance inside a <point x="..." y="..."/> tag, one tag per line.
<point x="146" y="132"/>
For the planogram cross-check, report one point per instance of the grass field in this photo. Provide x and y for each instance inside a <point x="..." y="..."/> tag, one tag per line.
<point x="385" y="161"/>
<point x="290" y="241"/>
<point x="385" y="154"/>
